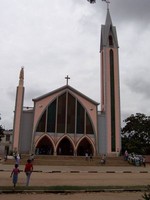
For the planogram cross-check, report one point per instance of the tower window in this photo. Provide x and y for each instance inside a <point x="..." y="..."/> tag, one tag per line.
<point x="112" y="94"/>
<point x="110" y="40"/>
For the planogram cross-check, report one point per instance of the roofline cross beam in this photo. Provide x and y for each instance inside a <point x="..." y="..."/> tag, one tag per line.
<point x="67" y="79"/>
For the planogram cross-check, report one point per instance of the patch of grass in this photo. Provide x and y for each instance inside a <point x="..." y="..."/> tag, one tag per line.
<point x="72" y="188"/>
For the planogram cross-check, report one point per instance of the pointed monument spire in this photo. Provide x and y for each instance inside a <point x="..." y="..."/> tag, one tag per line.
<point x="108" y="19"/>
<point x="21" y="77"/>
<point x="18" y="112"/>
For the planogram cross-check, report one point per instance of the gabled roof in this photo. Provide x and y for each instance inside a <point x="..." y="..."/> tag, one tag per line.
<point x="106" y="30"/>
<point x="66" y="87"/>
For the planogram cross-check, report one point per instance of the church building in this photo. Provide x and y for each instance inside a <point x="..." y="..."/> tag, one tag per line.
<point x="65" y="121"/>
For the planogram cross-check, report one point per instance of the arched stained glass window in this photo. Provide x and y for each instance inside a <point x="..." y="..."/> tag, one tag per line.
<point x="65" y="115"/>
<point x="61" y="114"/>
<point x="71" y="114"/>
<point x="89" y="128"/>
<point x="41" y="125"/>
<point x="80" y="118"/>
<point x="51" y="117"/>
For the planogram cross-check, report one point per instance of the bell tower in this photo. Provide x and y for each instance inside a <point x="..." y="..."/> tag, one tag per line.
<point x="110" y="88"/>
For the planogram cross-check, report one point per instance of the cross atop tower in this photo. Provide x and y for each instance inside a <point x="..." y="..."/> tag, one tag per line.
<point x="108" y="2"/>
<point x="67" y="78"/>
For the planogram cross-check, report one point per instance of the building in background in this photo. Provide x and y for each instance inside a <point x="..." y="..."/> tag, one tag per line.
<point x="6" y="143"/>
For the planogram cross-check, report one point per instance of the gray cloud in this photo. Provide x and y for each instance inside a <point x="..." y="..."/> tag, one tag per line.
<point x="140" y="84"/>
<point x="56" y="38"/>
<point x="131" y="11"/>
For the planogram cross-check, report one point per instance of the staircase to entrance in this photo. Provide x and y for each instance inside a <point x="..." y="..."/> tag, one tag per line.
<point x="72" y="161"/>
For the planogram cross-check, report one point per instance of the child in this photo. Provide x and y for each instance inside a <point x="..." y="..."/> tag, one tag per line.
<point x="14" y="174"/>
<point x="28" y="170"/>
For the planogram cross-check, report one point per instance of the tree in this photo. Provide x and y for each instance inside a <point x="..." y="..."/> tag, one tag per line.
<point x="136" y="134"/>
<point x="1" y="133"/>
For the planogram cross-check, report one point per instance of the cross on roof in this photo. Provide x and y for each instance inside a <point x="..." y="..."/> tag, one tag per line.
<point x="67" y="78"/>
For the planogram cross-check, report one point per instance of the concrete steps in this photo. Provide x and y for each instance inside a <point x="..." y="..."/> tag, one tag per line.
<point x="71" y="161"/>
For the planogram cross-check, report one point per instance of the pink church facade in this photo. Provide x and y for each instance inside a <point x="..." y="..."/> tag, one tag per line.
<point x="65" y="121"/>
<point x="73" y="125"/>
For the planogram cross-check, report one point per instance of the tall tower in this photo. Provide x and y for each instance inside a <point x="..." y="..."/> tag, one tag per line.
<point x="110" y="89"/>
<point x="18" y="111"/>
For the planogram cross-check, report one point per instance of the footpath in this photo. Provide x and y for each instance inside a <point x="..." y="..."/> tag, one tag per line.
<point x="80" y="169"/>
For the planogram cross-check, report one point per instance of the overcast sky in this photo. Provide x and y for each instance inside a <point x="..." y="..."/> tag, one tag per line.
<point x="55" y="38"/>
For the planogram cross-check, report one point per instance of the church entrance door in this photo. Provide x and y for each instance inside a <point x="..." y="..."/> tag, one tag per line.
<point x="65" y="147"/>
<point x="84" y="147"/>
<point x="44" y="147"/>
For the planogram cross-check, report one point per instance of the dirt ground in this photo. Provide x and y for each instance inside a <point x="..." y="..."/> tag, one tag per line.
<point x="79" y="196"/>
<point x="78" y="179"/>
<point x="67" y="176"/>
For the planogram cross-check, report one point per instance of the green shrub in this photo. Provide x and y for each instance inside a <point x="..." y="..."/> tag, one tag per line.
<point x="146" y="196"/>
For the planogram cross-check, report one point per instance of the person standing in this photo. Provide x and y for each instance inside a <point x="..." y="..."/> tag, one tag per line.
<point x="18" y="159"/>
<point x="103" y="160"/>
<point x="86" y="156"/>
<point x="144" y="161"/>
<point x="126" y="155"/>
<point x="28" y="170"/>
<point x="14" y="175"/>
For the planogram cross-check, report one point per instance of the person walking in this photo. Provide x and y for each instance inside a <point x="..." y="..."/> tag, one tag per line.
<point x="14" y="175"/>
<point x="28" y="170"/>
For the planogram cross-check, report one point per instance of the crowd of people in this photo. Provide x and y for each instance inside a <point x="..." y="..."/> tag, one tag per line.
<point x="135" y="159"/>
